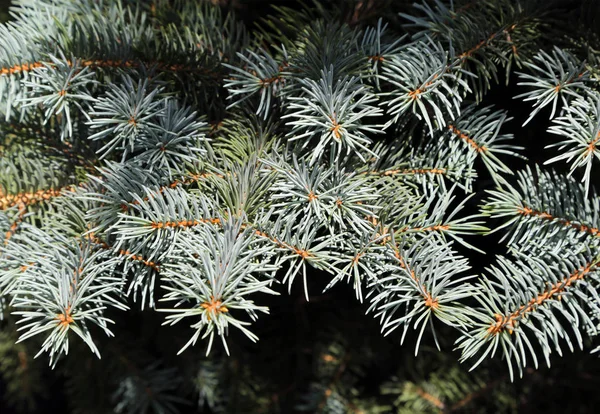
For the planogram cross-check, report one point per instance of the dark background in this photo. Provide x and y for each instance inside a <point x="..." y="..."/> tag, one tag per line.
<point x="570" y="386"/>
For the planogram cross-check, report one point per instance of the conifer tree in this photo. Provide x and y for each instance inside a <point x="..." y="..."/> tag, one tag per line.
<point x="187" y="189"/>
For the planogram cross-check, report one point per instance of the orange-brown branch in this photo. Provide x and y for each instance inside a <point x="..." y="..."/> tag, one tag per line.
<point x="110" y="63"/>
<point x="139" y="258"/>
<point x="65" y="319"/>
<point x="436" y="227"/>
<point x="399" y="257"/>
<point x="183" y="223"/>
<point x="542" y="215"/>
<point x="512" y="45"/>
<point x="304" y="254"/>
<point x="477" y="47"/>
<point x="15" y="225"/>
<point x="485" y="42"/>
<point x="376" y="58"/>
<point x="467" y="139"/>
<point x="560" y="86"/>
<point x="189" y="179"/>
<point x="215" y="305"/>
<point x="26" y="67"/>
<point x="409" y="171"/>
<point x="11" y="231"/>
<point x="104" y="245"/>
<point x="275" y="79"/>
<point x="431" y="398"/>
<point x="124" y="252"/>
<point x="29" y="198"/>
<point x="265" y="83"/>
<point x="417" y="92"/>
<point x="430" y="301"/>
<point x="328" y="358"/>
<point x="387" y="232"/>
<point x="508" y="322"/>
<point x="592" y="145"/>
<point x="335" y="128"/>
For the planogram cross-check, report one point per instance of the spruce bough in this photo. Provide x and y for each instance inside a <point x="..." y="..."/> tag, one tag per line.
<point x="161" y="156"/>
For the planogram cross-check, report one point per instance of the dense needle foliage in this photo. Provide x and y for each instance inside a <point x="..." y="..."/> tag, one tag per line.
<point x="357" y="206"/>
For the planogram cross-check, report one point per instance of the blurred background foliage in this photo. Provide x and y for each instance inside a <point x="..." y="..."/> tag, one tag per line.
<point x="4" y="10"/>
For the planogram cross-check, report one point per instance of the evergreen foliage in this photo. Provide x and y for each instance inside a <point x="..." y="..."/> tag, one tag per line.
<point x="166" y="163"/>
